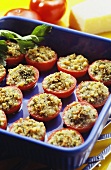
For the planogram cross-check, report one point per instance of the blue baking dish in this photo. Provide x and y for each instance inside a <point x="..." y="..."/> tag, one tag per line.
<point x="64" y="41"/>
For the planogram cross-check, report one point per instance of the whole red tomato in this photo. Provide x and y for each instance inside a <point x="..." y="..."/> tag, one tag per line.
<point x="49" y="10"/>
<point x="23" y="13"/>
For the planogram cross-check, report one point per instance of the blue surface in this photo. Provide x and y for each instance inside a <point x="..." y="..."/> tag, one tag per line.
<point x="63" y="41"/>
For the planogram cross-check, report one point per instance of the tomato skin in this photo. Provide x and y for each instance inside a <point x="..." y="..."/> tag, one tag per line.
<point x="21" y="12"/>
<point x="82" y="129"/>
<point x="62" y="129"/>
<point x="17" y="107"/>
<point x="3" y="76"/>
<point x="14" y="61"/>
<point x="4" y="126"/>
<point x="43" y="118"/>
<point x="49" y="10"/>
<point x="107" y="83"/>
<point x="74" y="73"/>
<point x="42" y="66"/>
<point x="29" y="85"/>
<point x="62" y="93"/>
<point x="96" y="105"/>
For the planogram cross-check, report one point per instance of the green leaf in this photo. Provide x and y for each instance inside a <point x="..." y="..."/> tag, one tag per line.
<point x="41" y="30"/>
<point x="9" y="34"/>
<point x="25" y="44"/>
<point x="3" y="46"/>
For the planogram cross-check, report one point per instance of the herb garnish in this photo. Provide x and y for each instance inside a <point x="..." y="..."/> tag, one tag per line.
<point x="25" y="42"/>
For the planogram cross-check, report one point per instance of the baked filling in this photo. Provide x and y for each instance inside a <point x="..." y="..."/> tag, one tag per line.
<point x="29" y="127"/>
<point x="41" y="54"/>
<point x="2" y="118"/>
<point x="13" y="50"/>
<point x="79" y="115"/>
<point x="93" y="92"/>
<point x="73" y="62"/>
<point x="101" y="70"/>
<point x="58" y="81"/>
<point x="44" y="104"/>
<point x="2" y="70"/>
<point x="21" y="75"/>
<point x="66" y="138"/>
<point x="9" y="98"/>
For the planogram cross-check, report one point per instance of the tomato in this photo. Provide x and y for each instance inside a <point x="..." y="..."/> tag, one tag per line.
<point x="12" y="101"/>
<point x="53" y="80"/>
<point x="2" y="72"/>
<point x="76" y="65"/>
<point x="38" y="60"/>
<point x="80" y="116"/>
<point x="13" y="56"/>
<point x="3" y="120"/>
<point x="21" y="12"/>
<point x="29" y="127"/>
<point x="21" y="82"/>
<point x="93" y="92"/>
<point x="65" y="137"/>
<point x="45" y="107"/>
<point x="13" y="61"/>
<point x="49" y="10"/>
<point x="100" y="70"/>
<point x="74" y="73"/>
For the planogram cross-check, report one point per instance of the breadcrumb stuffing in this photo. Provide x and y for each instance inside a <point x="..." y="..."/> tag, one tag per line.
<point x="41" y="54"/>
<point x="44" y="104"/>
<point x="66" y="138"/>
<point x="30" y="128"/>
<point x="92" y="91"/>
<point x="101" y="70"/>
<point x="79" y="114"/>
<point x="58" y="81"/>
<point x="73" y="62"/>
<point x="21" y="75"/>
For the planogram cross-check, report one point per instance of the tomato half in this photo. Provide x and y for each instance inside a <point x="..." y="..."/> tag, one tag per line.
<point x="61" y="93"/>
<point x="43" y="58"/>
<point x="14" y="61"/>
<point x="2" y="72"/>
<point x="3" y="120"/>
<point x="29" y="127"/>
<point x="76" y="65"/>
<point x="65" y="137"/>
<point x="74" y="73"/>
<point x="93" y="92"/>
<point x="100" y="70"/>
<point x="49" y="10"/>
<point x="23" y="75"/>
<point x="13" y="55"/>
<point x="21" y="12"/>
<point x="13" y="99"/>
<point x="45" y="107"/>
<point x="80" y="116"/>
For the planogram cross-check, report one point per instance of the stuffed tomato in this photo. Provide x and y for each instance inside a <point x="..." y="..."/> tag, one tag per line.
<point x="76" y="65"/>
<point x="2" y="72"/>
<point x="60" y="84"/>
<point x="80" y="116"/>
<point x="93" y="92"/>
<point x="13" y="55"/>
<point x="29" y="127"/>
<point x="65" y="137"/>
<point x="100" y="70"/>
<point x="41" y="57"/>
<point x="3" y="120"/>
<point x="24" y="77"/>
<point x="44" y="107"/>
<point x="10" y="99"/>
